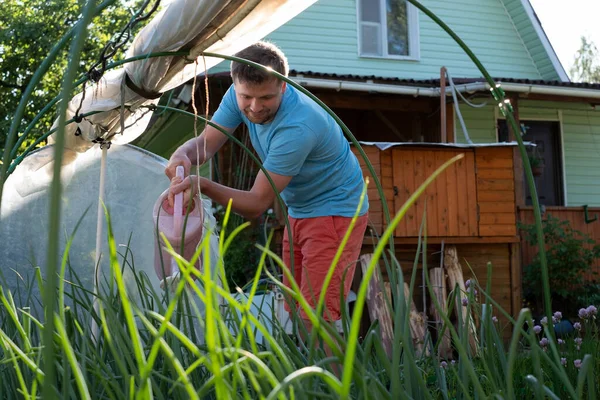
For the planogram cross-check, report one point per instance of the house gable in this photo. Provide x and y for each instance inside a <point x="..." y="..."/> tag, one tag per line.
<point x="324" y="38"/>
<point x="535" y="40"/>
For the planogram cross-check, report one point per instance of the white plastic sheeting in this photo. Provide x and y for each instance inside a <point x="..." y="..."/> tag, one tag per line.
<point x="219" y="26"/>
<point x="134" y="181"/>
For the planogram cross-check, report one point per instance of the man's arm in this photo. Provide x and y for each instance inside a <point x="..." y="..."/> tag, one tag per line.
<point x="249" y="204"/>
<point x="197" y="151"/>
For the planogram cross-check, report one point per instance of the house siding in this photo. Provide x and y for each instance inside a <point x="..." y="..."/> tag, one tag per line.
<point x="580" y="126"/>
<point x="581" y="135"/>
<point x="480" y="124"/>
<point x="483" y="24"/>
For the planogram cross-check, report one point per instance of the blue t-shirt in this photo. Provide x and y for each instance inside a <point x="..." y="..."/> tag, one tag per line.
<point x="303" y="141"/>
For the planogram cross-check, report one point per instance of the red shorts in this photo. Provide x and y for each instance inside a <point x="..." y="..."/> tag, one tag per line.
<point x="316" y="241"/>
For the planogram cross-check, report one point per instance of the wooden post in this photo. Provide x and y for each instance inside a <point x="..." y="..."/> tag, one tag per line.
<point x="443" y="135"/>
<point x="417" y="323"/>
<point x="515" y="279"/>
<point x="456" y="280"/>
<point x="377" y="306"/>
<point x="437" y="277"/>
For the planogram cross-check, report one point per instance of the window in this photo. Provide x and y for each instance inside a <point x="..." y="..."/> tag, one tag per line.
<point x="388" y="29"/>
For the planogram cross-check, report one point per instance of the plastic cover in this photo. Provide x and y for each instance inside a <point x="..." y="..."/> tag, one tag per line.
<point x="134" y="181"/>
<point x="180" y="24"/>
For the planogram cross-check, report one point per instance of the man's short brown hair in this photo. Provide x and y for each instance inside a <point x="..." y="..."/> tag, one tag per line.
<point x="262" y="53"/>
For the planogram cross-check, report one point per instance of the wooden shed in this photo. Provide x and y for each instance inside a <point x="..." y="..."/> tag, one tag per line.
<point x="470" y="206"/>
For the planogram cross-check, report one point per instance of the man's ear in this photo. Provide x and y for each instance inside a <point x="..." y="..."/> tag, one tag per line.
<point x="283" y="87"/>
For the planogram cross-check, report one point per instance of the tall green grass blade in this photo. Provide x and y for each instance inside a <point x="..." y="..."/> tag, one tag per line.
<point x="360" y="301"/>
<point x="15" y="362"/>
<point x="507" y="110"/>
<point x="70" y="355"/>
<point x="541" y="388"/>
<point x="9" y="346"/>
<point x="304" y="373"/>
<point x="464" y="392"/>
<point x="329" y="333"/>
<point x="170" y="356"/>
<point x="49" y="295"/>
<point x="584" y="371"/>
<point x="466" y="363"/>
<point x="11" y="309"/>
<point x="63" y="266"/>
<point x="332" y="268"/>
<point x="244" y="357"/>
<point x="145" y="389"/>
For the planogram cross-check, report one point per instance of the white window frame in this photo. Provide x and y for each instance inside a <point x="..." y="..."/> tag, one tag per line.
<point x="413" y="32"/>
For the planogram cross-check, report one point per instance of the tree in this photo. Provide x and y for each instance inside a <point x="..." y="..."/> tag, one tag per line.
<point x="28" y="31"/>
<point x="587" y="63"/>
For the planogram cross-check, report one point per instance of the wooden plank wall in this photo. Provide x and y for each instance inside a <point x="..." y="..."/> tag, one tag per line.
<point x="450" y="200"/>
<point x="496" y="191"/>
<point x="504" y="288"/>
<point x="387" y="182"/>
<point x="375" y="208"/>
<point x="474" y="197"/>
<point x="576" y="217"/>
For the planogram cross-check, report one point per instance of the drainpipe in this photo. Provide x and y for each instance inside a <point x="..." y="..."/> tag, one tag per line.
<point x="339" y="85"/>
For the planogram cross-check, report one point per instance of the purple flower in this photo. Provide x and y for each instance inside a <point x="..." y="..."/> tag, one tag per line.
<point x="577" y="363"/>
<point x="563" y="361"/>
<point x="468" y="283"/>
<point x="494" y="319"/>
<point x="544" y="321"/>
<point x="544" y="342"/>
<point x="592" y="310"/>
<point x="583" y="313"/>
<point x="465" y="301"/>
<point x="577" y="326"/>
<point x="537" y="329"/>
<point x="560" y="341"/>
<point x="556" y="317"/>
<point x="453" y="362"/>
<point x="578" y="341"/>
<point x="443" y="364"/>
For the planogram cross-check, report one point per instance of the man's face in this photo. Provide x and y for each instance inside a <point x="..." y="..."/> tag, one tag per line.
<point x="259" y="102"/>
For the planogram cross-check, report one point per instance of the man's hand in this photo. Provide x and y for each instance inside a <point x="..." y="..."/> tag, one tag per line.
<point x="188" y="186"/>
<point x="178" y="158"/>
<point x="197" y="151"/>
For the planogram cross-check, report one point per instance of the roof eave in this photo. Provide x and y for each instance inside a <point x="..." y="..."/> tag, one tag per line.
<point x="433" y="91"/>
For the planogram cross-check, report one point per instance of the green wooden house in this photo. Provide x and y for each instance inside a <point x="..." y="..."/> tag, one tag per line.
<point x="384" y="67"/>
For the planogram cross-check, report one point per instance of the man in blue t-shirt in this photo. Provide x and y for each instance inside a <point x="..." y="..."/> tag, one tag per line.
<point x="307" y="157"/>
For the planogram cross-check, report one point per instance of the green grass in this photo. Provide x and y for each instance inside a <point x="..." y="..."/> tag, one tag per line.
<point x="168" y="349"/>
<point x="160" y="345"/>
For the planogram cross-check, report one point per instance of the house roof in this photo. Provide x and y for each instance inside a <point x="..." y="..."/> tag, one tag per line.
<point x="582" y="91"/>
<point x="436" y="82"/>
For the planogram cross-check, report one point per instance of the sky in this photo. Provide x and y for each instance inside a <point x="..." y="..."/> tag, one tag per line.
<point x="565" y="22"/>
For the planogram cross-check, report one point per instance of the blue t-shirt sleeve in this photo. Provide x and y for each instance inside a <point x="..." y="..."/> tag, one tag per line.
<point x="228" y="114"/>
<point x="289" y="149"/>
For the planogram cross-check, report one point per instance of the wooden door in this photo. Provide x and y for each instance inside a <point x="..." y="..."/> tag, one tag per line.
<point x="546" y="136"/>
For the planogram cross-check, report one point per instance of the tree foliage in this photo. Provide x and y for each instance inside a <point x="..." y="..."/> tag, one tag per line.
<point x="28" y="31"/>
<point x="587" y="62"/>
